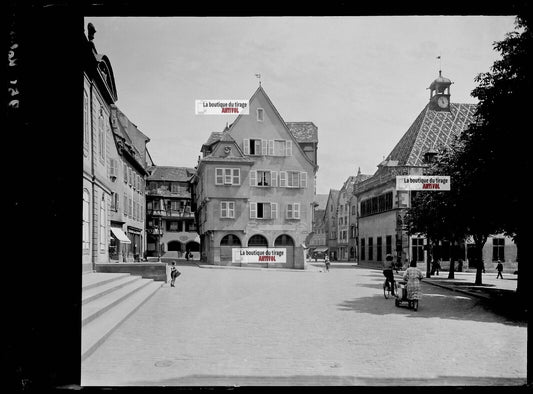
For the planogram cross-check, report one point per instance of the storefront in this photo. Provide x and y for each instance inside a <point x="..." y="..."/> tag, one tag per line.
<point x="119" y="245"/>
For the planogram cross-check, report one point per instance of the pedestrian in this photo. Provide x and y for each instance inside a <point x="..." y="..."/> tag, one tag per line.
<point x="187" y="255"/>
<point x="326" y="262"/>
<point x="483" y="265"/>
<point x="460" y="266"/>
<point x="388" y="266"/>
<point x="174" y="273"/>
<point x="499" y="267"/>
<point x="413" y="276"/>
<point x="435" y="267"/>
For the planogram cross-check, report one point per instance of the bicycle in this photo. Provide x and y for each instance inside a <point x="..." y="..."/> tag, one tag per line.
<point x="387" y="288"/>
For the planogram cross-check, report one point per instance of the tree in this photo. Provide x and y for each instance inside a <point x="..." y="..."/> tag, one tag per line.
<point x="495" y="146"/>
<point x="440" y="214"/>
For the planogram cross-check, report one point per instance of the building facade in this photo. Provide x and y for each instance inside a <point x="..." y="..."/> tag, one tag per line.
<point x="254" y="187"/>
<point x="318" y="243"/>
<point x="381" y="208"/>
<point x="170" y="220"/>
<point x="330" y="224"/>
<point x="99" y="93"/>
<point x="127" y="171"/>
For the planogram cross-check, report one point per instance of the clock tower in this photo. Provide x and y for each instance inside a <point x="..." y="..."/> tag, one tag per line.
<point x="439" y="93"/>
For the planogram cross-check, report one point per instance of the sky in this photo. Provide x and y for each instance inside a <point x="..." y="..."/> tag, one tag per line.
<point x="361" y="80"/>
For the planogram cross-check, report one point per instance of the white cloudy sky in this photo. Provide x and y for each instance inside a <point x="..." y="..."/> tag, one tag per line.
<point x="361" y="80"/>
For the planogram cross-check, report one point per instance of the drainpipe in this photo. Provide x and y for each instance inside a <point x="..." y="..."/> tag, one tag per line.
<point x="94" y="212"/>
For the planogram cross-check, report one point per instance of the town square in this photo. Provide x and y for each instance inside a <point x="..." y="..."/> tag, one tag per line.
<point x="271" y="200"/>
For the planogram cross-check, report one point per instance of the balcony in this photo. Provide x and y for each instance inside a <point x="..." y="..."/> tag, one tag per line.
<point x="154" y="231"/>
<point x="167" y="193"/>
<point x="169" y="213"/>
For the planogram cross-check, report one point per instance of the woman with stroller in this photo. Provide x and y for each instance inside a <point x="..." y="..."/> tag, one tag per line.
<point x="413" y="276"/>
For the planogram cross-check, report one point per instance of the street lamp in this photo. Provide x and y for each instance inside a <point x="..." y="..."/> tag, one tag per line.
<point x="159" y="240"/>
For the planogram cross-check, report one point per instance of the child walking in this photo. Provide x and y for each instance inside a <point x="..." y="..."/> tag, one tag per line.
<point x="174" y="273"/>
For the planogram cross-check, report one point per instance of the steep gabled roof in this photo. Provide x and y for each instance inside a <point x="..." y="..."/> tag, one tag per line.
<point x="333" y="196"/>
<point x="431" y="130"/>
<point x="173" y="174"/>
<point x="321" y="200"/>
<point x="303" y="131"/>
<point x="297" y="145"/>
<point x="214" y="137"/>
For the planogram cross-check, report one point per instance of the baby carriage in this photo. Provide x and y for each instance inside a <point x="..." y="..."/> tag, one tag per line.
<point x="401" y="297"/>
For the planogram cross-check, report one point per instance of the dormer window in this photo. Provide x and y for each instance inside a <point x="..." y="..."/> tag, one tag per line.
<point x="260" y="114"/>
<point x="430" y="156"/>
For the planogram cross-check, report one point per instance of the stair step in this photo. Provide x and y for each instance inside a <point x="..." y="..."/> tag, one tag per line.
<point x="96" y="331"/>
<point x="106" y="287"/>
<point x="97" y="307"/>
<point x="95" y="279"/>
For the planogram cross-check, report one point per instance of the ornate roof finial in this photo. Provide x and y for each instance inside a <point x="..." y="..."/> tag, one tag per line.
<point x="358" y="170"/>
<point x="259" y="77"/>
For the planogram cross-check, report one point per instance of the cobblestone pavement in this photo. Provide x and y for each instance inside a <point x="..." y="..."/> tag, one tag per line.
<point x="231" y="327"/>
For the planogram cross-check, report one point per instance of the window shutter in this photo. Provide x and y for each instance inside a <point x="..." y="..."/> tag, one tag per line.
<point x="303" y="180"/>
<point x="274" y="178"/>
<point x="271" y="147"/>
<point x="219" y="176"/>
<point x="253" y="210"/>
<point x="231" y="209"/>
<point x="297" y="210"/>
<point x="223" y="209"/>
<point x="264" y="147"/>
<point x="253" y="178"/>
<point x="274" y="210"/>
<point x="283" y="179"/>
<point x="236" y="176"/>
<point x="288" y="148"/>
<point x="246" y="146"/>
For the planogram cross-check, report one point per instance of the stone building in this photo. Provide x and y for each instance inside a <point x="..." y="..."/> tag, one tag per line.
<point x="170" y="221"/>
<point x="254" y="189"/>
<point x="331" y="224"/>
<point x="317" y="243"/>
<point x="381" y="208"/>
<point x="128" y="160"/>
<point x="99" y="93"/>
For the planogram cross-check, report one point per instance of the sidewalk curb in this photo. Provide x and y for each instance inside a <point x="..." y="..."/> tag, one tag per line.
<point x="207" y="266"/>
<point x="479" y="295"/>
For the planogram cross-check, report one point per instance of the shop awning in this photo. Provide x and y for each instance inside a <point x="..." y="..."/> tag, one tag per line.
<point x="321" y="250"/>
<point x="119" y="234"/>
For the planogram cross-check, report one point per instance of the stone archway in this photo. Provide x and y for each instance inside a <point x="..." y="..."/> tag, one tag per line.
<point x="227" y="243"/>
<point x="285" y="241"/>
<point x="258" y="241"/>
<point x="174" y="246"/>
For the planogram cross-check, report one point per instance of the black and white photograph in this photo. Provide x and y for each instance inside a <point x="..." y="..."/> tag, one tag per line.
<point x="274" y="200"/>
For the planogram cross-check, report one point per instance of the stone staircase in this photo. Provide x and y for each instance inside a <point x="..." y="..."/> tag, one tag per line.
<point x="107" y="300"/>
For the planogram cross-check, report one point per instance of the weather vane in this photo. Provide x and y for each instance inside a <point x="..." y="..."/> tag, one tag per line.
<point x="440" y="65"/>
<point x="259" y="77"/>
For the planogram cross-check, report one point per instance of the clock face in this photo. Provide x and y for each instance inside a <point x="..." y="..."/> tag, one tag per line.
<point x="442" y="102"/>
